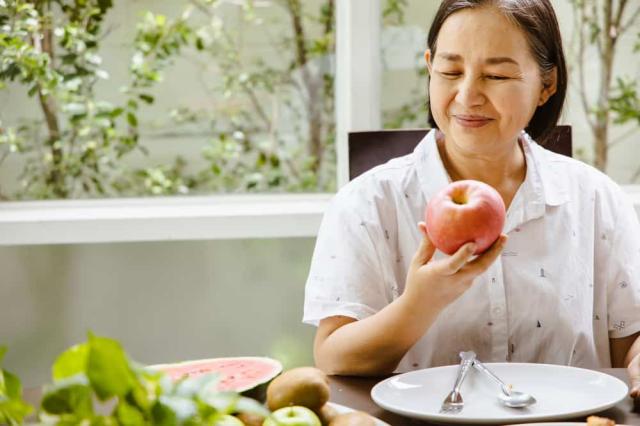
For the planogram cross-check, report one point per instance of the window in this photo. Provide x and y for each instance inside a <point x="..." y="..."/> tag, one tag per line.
<point x="147" y="98"/>
<point x="197" y="143"/>
<point x="403" y="41"/>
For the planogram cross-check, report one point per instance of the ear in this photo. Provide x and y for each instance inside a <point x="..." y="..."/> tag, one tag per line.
<point x="427" y="58"/>
<point x="550" y="86"/>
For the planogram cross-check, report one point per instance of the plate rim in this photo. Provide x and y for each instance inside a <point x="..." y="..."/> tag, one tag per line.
<point x="437" y="417"/>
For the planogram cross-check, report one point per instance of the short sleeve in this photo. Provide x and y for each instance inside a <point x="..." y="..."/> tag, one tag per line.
<point x="623" y="271"/>
<point x="345" y="277"/>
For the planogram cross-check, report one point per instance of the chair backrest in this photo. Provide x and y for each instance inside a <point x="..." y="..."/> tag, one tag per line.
<point x="370" y="148"/>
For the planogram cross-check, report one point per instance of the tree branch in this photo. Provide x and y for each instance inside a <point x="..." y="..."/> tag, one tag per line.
<point x="619" y="13"/>
<point x="580" y="65"/>
<point x="596" y="21"/>
<point x="298" y="32"/>
<point x="328" y="25"/>
<point x="49" y="108"/>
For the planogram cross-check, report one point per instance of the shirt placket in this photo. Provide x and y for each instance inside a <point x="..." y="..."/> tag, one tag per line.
<point x="498" y="319"/>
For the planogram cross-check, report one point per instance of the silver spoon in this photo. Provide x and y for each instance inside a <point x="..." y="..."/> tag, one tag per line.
<point x="508" y="397"/>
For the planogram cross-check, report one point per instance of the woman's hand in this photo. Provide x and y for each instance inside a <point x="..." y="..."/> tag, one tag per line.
<point x="443" y="281"/>
<point x="634" y="376"/>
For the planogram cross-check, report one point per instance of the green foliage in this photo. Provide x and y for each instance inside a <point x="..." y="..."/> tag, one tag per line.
<point x="100" y="370"/>
<point x="625" y="104"/>
<point x="52" y="49"/>
<point x="54" y="53"/>
<point x="13" y="409"/>
<point x="600" y="25"/>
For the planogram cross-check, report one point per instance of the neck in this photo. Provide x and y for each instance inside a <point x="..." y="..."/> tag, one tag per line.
<point x="504" y="169"/>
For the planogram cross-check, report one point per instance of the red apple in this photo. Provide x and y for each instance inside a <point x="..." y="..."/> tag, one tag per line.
<point x="462" y="212"/>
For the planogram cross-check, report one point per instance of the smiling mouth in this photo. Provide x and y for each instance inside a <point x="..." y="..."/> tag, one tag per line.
<point x="472" y="121"/>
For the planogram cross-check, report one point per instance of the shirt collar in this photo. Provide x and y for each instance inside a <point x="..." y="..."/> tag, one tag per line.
<point x="431" y="172"/>
<point x="540" y="160"/>
<point x="541" y="186"/>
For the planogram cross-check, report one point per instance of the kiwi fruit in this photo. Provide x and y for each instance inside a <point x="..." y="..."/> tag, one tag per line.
<point x="327" y="413"/>
<point x="306" y="386"/>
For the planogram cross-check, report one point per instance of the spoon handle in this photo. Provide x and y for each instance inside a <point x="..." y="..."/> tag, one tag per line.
<point x="480" y="366"/>
<point x="467" y="359"/>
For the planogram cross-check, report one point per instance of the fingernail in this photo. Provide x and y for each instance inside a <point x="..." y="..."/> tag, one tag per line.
<point x="472" y="247"/>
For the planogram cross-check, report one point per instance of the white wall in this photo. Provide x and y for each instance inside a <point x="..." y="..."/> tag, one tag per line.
<point x="163" y="301"/>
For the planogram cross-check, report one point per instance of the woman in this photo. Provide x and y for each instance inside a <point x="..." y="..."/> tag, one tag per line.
<point x="561" y="285"/>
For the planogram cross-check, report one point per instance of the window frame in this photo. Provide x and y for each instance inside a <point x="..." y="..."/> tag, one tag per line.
<point x="358" y="88"/>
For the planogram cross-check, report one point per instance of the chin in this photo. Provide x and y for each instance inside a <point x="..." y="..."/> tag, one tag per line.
<point x="476" y="141"/>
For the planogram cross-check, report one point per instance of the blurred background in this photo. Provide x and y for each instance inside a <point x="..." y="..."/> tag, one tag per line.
<point x="141" y="98"/>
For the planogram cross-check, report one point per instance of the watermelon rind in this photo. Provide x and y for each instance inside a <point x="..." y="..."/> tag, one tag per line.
<point x="255" y="389"/>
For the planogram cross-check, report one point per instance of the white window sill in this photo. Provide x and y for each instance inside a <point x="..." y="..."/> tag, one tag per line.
<point x="161" y="219"/>
<point x="170" y="219"/>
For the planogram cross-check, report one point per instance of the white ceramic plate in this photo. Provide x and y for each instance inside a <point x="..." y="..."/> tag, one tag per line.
<point x="556" y="424"/>
<point x="343" y="409"/>
<point x="561" y="392"/>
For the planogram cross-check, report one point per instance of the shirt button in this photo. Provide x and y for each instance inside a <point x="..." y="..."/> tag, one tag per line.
<point x="497" y="311"/>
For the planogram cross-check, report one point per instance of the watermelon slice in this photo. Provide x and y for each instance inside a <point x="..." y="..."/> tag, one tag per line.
<point x="237" y="374"/>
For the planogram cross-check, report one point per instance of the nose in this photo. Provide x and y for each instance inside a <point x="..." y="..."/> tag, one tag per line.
<point x="470" y="92"/>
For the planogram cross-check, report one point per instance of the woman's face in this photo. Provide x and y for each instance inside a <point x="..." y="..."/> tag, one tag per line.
<point x="485" y="84"/>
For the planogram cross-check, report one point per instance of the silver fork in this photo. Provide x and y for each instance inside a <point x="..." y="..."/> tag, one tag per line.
<point x="453" y="403"/>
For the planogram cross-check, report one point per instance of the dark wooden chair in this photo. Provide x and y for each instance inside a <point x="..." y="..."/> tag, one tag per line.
<point x="370" y="148"/>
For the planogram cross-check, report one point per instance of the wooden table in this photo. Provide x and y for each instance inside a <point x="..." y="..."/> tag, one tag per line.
<point x="354" y="392"/>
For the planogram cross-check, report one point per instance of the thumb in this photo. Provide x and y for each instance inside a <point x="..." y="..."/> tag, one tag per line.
<point x="426" y="249"/>
<point x="635" y="389"/>
<point x="633" y="370"/>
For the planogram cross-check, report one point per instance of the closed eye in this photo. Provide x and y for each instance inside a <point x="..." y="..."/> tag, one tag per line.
<point x="497" y="77"/>
<point x="451" y="74"/>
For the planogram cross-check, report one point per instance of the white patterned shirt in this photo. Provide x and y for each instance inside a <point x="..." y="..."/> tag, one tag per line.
<point x="568" y="278"/>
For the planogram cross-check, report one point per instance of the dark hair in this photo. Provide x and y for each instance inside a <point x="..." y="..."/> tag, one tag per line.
<point x="538" y="21"/>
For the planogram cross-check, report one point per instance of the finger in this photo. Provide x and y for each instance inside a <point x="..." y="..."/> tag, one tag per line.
<point x="482" y="262"/>
<point x="457" y="260"/>
<point x="422" y="226"/>
<point x="635" y="391"/>
<point x="424" y="253"/>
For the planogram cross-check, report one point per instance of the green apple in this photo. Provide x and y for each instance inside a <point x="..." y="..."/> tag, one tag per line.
<point x="292" y="416"/>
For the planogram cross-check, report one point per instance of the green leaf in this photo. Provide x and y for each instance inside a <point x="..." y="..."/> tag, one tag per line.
<point x="128" y="414"/>
<point x="12" y="385"/>
<point x="248" y="405"/>
<point x="191" y="386"/>
<point x="116" y="112"/>
<point x="33" y="90"/>
<point x="13" y="411"/>
<point x="163" y="415"/>
<point x="132" y="119"/>
<point x="108" y="368"/>
<point x="223" y="402"/>
<point x="146" y="97"/>
<point x="182" y="408"/>
<point x="75" y="108"/>
<point x="71" y="362"/>
<point x="71" y="396"/>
